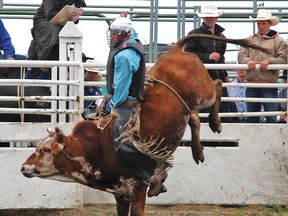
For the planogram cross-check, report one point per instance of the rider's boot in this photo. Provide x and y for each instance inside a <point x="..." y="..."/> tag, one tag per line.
<point x="89" y="110"/>
<point x="156" y="184"/>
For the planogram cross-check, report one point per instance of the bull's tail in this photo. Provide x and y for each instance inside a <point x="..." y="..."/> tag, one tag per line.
<point x="241" y="42"/>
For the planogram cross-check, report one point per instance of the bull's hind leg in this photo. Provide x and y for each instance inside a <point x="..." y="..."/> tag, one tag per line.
<point x="196" y="147"/>
<point x="214" y="119"/>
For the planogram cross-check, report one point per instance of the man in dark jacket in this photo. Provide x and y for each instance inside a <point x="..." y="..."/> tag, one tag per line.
<point x="211" y="51"/>
<point x="45" y="42"/>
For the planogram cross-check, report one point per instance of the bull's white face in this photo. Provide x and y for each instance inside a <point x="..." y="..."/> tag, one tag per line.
<point x="41" y="162"/>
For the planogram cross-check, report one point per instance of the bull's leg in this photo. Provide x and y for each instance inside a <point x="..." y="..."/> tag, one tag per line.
<point x="214" y="119"/>
<point x="196" y="147"/>
<point x="137" y="207"/>
<point x="122" y="206"/>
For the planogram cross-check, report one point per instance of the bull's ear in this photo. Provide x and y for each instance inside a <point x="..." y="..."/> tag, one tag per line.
<point x="58" y="130"/>
<point x="56" y="148"/>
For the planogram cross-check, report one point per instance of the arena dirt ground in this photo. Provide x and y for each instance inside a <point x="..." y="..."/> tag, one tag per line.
<point x="152" y="210"/>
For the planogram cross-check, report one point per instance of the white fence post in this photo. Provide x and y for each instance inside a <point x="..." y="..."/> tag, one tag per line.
<point x="69" y="37"/>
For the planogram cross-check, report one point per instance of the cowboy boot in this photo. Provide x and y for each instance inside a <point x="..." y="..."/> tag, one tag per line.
<point x="156" y="184"/>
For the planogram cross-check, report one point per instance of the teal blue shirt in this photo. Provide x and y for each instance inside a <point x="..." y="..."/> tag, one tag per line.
<point x="126" y="63"/>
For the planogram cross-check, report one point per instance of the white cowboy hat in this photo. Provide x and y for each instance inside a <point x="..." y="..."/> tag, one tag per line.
<point x="92" y="73"/>
<point x="210" y="11"/>
<point x="92" y="69"/>
<point x="266" y="15"/>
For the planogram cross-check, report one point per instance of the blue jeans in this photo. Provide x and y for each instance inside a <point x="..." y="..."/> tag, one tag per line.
<point x="256" y="107"/>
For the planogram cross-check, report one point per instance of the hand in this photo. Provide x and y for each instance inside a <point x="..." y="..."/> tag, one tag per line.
<point x="75" y="16"/>
<point x="227" y="80"/>
<point x="283" y="118"/>
<point x="251" y="65"/>
<point x="10" y="58"/>
<point x="214" y="56"/>
<point x="80" y="12"/>
<point x="124" y="14"/>
<point x="264" y="64"/>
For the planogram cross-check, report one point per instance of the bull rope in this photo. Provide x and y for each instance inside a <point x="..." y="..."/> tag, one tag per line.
<point x="150" y="80"/>
<point x="99" y="120"/>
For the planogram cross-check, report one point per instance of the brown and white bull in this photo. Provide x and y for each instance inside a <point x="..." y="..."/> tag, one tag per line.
<point x="178" y="86"/>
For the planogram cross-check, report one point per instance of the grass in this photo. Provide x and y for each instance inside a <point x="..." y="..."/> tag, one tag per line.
<point x="278" y="209"/>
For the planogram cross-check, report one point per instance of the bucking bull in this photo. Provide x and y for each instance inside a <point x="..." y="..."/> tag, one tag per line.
<point x="177" y="87"/>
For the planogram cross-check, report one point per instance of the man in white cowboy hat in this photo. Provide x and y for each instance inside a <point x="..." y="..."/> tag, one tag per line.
<point x="210" y="51"/>
<point x="277" y="47"/>
<point x="92" y="73"/>
<point x="207" y="50"/>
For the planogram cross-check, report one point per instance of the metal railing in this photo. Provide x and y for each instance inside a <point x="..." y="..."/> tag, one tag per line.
<point x="56" y="109"/>
<point x="79" y="97"/>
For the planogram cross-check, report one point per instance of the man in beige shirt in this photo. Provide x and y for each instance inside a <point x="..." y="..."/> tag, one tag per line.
<point x="277" y="46"/>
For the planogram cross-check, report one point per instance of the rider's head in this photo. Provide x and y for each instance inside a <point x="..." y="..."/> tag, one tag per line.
<point x="120" y="30"/>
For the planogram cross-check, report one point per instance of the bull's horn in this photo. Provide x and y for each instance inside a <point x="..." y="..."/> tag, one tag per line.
<point x="59" y="134"/>
<point x="51" y="131"/>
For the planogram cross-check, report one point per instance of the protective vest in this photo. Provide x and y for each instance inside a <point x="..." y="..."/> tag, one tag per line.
<point x="137" y="85"/>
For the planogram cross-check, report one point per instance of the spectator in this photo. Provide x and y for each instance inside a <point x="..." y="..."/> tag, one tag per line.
<point x="239" y="92"/>
<point x="283" y="94"/>
<point x="45" y="42"/>
<point x="277" y="46"/>
<point x="7" y="46"/>
<point x="210" y="51"/>
<point x="92" y="74"/>
<point x="125" y="83"/>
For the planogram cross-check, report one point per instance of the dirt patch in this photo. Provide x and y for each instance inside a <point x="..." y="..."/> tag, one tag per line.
<point x="156" y="210"/>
